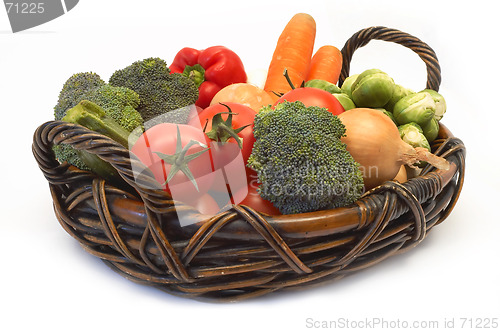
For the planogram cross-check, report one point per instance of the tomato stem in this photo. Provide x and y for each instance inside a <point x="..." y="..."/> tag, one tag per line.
<point x="222" y="130"/>
<point x="179" y="160"/>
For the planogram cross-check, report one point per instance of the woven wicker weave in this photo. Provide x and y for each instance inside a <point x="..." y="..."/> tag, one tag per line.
<point x="240" y="253"/>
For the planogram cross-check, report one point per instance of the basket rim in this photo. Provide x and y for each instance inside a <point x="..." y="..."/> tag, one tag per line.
<point x="303" y="225"/>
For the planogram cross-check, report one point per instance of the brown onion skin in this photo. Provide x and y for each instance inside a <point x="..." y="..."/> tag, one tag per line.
<point x="402" y="175"/>
<point x="374" y="142"/>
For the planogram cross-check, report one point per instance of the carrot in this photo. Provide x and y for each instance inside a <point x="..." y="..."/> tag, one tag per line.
<point x="293" y="52"/>
<point x="326" y="64"/>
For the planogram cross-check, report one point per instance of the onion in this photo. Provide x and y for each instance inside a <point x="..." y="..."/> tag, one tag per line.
<point x="243" y="93"/>
<point x="374" y="142"/>
<point x="402" y="175"/>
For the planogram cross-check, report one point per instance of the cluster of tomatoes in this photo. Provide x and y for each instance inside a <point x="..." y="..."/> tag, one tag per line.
<point x="199" y="162"/>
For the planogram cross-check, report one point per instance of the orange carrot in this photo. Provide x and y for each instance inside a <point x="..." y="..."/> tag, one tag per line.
<point x="326" y="64"/>
<point x="293" y="52"/>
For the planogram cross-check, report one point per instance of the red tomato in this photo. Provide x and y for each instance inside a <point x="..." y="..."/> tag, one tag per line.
<point x="254" y="200"/>
<point x="158" y="145"/>
<point x="206" y="204"/>
<point x="313" y="97"/>
<point x="244" y="116"/>
<point x="257" y="203"/>
<point x="229" y="167"/>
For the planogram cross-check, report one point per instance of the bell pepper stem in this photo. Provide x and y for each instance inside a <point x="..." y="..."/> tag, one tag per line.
<point x="196" y="73"/>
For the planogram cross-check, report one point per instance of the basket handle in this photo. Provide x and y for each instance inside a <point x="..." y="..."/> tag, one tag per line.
<point x="362" y="37"/>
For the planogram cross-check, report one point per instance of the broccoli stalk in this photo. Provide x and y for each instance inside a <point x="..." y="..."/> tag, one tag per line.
<point x="93" y="117"/>
<point x="300" y="161"/>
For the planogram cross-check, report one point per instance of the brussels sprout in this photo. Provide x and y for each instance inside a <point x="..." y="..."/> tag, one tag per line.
<point x="373" y="88"/>
<point x="345" y="101"/>
<point x="440" y="103"/>
<point x="431" y="129"/>
<point x="389" y="114"/>
<point x="399" y="92"/>
<point x="418" y="107"/>
<point x="323" y="85"/>
<point x="347" y="85"/>
<point x="413" y="134"/>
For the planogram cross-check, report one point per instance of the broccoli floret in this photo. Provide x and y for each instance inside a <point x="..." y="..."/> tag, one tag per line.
<point x="159" y="90"/>
<point x="301" y="163"/>
<point x="119" y="103"/>
<point x="73" y="90"/>
<point x="66" y="153"/>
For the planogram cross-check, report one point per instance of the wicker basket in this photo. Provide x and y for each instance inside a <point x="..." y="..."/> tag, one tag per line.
<point x="240" y="253"/>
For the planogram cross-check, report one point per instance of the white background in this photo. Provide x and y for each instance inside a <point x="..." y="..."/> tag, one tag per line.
<point x="48" y="282"/>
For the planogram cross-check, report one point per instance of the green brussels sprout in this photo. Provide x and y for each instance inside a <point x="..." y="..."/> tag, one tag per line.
<point x="431" y="129"/>
<point x="413" y="134"/>
<point x="389" y="114"/>
<point x="373" y="88"/>
<point x="398" y="93"/>
<point x="323" y="85"/>
<point x="346" y="86"/>
<point x="418" y="107"/>
<point x="345" y="101"/>
<point x="440" y="103"/>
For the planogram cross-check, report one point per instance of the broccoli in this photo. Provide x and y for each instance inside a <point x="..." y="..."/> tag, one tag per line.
<point x="159" y="91"/>
<point x="94" y="117"/>
<point x="301" y="163"/>
<point x="119" y="103"/>
<point x="66" y="153"/>
<point x="73" y="90"/>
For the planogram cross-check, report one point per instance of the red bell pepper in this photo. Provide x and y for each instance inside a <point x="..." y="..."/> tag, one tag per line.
<point x="211" y="69"/>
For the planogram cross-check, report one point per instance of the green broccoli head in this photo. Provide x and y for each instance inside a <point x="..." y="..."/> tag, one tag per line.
<point x="148" y="69"/>
<point x="66" y="153"/>
<point x="159" y="90"/>
<point x="119" y="103"/>
<point x="300" y="161"/>
<point x="73" y="90"/>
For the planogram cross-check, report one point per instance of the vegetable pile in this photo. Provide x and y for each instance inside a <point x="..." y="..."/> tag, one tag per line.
<point x="298" y="143"/>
